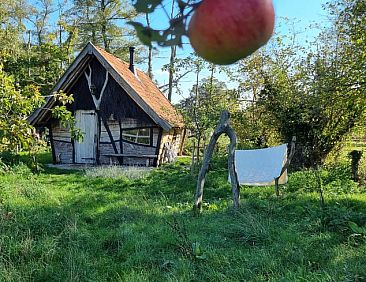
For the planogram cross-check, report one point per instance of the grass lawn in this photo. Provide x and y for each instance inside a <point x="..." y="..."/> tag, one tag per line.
<point x="71" y="226"/>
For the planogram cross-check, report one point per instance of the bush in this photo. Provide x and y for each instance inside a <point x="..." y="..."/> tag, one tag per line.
<point x="8" y="158"/>
<point x="334" y="180"/>
<point x="10" y="162"/>
<point x="338" y="180"/>
<point x="305" y="181"/>
<point x="342" y="186"/>
<point x="362" y="169"/>
<point x="336" y="172"/>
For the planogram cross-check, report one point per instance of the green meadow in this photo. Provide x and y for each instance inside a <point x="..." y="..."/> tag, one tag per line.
<point x="99" y="225"/>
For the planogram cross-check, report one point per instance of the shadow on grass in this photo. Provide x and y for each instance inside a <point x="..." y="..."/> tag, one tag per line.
<point x="99" y="229"/>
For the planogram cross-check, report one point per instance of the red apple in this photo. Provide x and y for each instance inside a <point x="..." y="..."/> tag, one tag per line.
<point x="224" y="31"/>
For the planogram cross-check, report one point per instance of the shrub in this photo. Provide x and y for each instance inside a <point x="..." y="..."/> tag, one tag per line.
<point x="10" y="162"/>
<point x="334" y="180"/>
<point x="362" y="169"/>
<point x="305" y="180"/>
<point x="8" y="158"/>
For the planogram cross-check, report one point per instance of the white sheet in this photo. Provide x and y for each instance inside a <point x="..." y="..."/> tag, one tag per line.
<point x="260" y="167"/>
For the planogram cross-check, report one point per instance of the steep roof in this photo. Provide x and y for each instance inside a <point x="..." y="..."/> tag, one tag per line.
<point x="138" y="86"/>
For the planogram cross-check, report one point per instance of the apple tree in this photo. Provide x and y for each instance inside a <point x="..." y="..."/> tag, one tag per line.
<point x="17" y="103"/>
<point x="16" y="106"/>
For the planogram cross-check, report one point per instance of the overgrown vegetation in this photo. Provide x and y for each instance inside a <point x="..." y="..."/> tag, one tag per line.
<point x="110" y="224"/>
<point x="283" y="90"/>
<point x="66" y="226"/>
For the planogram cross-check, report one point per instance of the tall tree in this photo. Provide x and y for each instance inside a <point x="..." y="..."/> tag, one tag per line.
<point x="208" y="97"/>
<point x="316" y="94"/>
<point x="39" y="15"/>
<point x="101" y="22"/>
<point x="150" y="51"/>
<point x="16" y="105"/>
<point x="12" y="17"/>
<point x="37" y="55"/>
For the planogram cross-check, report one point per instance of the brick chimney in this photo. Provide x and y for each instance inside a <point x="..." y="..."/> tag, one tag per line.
<point x="132" y="65"/>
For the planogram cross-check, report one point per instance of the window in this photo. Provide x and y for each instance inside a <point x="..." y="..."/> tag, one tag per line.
<point x="139" y="136"/>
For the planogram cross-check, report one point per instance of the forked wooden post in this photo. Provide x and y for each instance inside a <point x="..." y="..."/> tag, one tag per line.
<point x="222" y="127"/>
<point x="286" y="165"/>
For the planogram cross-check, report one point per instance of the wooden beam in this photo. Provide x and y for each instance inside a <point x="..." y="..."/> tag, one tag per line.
<point x="66" y="78"/>
<point x="99" y="129"/>
<point x="73" y="150"/>
<point x="131" y="92"/>
<point x="286" y="165"/>
<point x="52" y="144"/>
<point x="62" y="141"/>
<point x="138" y="127"/>
<point x="158" y="145"/>
<point x="105" y="123"/>
<point x="151" y="136"/>
<point x="88" y="77"/>
<point x="120" y="139"/>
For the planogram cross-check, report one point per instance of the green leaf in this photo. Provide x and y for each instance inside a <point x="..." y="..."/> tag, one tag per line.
<point x="146" y="34"/>
<point x="201" y="257"/>
<point x="173" y="35"/>
<point x="357" y="229"/>
<point x="146" y="6"/>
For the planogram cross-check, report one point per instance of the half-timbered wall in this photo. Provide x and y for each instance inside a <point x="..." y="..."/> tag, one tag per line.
<point x="117" y="113"/>
<point x="123" y="146"/>
<point x="64" y="150"/>
<point x="61" y="143"/>
<point x="115" y="101"/>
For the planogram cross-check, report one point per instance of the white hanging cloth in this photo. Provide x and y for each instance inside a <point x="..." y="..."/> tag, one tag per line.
<point x="260" y="167"/>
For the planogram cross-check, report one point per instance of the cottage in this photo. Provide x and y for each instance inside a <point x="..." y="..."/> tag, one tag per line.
<point x="123" y="116"/>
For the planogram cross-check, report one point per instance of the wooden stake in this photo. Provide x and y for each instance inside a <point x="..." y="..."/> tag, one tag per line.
<point x="193" y="161"/>
<point x="286" y="165"/>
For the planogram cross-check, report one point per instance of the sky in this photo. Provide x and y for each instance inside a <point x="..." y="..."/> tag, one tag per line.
<point x="300" y="14"/>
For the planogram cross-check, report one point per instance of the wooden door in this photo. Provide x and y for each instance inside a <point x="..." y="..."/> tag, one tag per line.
<point x="85" y="151"/>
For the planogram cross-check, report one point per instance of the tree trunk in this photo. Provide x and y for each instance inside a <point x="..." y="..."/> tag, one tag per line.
<point x="104" y="26"/>
<point x="198" y="154"/>
<point x="149" y="57"/>
<point x="173" y="54"/>
<point x="195" y="115"/>
<point x="222" y="127"/>
<point x="193" y="160"/>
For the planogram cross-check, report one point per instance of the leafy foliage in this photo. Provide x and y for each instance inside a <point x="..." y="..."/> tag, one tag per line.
<point x="16" y="106"/>
<point x="98" y="22"/>
<point x="202" y="109"/>
<point x="319" y="97"/>
<point x="177" y="25"/>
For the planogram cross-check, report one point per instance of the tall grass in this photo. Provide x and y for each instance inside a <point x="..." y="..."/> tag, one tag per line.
<point x="129" y="172"/>
<point x="71" y="226"/>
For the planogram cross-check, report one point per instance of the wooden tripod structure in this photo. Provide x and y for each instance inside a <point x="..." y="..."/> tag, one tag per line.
<point x="224" y="127"/>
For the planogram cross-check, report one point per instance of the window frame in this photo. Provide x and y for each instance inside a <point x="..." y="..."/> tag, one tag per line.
<point x="136" y="137"/>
